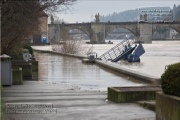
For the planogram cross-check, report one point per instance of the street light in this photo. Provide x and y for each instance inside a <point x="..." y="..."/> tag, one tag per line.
<point x="138" y="17"/>
<point x="91" y="18"/>
<point x="104" y="28"/>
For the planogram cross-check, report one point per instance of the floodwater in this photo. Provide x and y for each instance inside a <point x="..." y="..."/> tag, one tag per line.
<point x="70" y="70"/>
<point x="58" y="69"/>
<point x="157" y="55"/>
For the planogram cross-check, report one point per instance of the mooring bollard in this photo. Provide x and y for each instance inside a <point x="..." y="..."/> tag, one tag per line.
<point x="17" y="76"/>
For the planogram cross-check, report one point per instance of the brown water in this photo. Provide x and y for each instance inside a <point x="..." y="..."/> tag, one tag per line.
<point x="71" y="71"/>
<point x="157" y="55"/>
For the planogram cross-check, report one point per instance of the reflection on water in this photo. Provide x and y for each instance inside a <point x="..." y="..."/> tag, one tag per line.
<point x="55" y="68"/>
<point x="153" y="62"/>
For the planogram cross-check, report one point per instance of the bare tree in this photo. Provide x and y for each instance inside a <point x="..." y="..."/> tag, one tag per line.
<point x="56" y="5"/>
<point x="19" y="19"/>
<point x="71" y="45"/>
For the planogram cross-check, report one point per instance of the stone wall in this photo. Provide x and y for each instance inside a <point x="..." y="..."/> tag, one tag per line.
<point x="167" y="107"/>
<point x="145" y="33"/>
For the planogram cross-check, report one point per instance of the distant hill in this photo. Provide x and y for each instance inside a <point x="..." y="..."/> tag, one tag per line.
<point x="128" y="15"/>
<point x="132" y="15"/>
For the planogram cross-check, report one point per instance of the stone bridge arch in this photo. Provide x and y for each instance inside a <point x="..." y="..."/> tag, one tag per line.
<point x="164" y="26"/>
<point x="96" y="31"/>
<point x="174" y="25"/>
<point x="132" y="27"/>
<point x="74" y="28"/>
<point x="84" y="27"/>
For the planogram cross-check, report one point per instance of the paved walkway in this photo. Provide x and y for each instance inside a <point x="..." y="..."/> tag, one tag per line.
<point x="70" y="103"/>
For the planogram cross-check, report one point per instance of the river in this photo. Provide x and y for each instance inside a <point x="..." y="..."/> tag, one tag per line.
<point x="57" y="69"/>
<point x="72" y="71"/>
<point x="157" y="56"/>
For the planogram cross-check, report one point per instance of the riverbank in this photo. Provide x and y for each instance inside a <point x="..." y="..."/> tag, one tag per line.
<point x="130" y="73"/>
<point x="69" y="103"/>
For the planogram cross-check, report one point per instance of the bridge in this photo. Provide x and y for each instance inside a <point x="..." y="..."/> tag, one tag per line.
<point x="97" y="32"/>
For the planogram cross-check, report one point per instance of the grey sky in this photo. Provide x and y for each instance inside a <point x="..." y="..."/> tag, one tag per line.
<point x="85" y="10"/>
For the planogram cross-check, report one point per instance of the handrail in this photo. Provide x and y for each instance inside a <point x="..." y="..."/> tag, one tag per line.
<point x="116" y="51"/>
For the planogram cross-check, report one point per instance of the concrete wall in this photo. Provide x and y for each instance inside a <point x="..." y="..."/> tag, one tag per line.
<point x="167" y="107"/>
<point x="132" y="94"/>
<point x="140" y="76"/>
<point x="17" y="76"/>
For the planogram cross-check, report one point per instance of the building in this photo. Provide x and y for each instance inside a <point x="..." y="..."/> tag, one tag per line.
<point x="155" y="14"/>
<point x="41" y="36"/>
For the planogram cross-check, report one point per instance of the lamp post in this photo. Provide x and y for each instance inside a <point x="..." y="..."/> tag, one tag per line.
<point x="104" y="29"/>
<point x="138" y="20"/>
<point x="91" y="18"/>
<point x="138" y="17"/>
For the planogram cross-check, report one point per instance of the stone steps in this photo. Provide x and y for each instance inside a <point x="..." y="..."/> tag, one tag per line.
<point x="68" y="104"/>
<point x="148" y="104"/>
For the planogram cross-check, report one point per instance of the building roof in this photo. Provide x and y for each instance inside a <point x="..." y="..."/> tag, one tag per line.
<point x="154" y="8"/>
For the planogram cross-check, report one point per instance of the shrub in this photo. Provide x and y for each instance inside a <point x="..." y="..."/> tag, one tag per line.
<point x="17" y="57"/>
<point x="72" y="46"/>
<point x="170" y="80"/>
<point x="29" y="48"/>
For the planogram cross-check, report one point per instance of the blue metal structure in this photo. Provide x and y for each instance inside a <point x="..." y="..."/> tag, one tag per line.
<point x="125" y="50"/>
<point x="44" y="40"/>
<point x="137" y="52"/>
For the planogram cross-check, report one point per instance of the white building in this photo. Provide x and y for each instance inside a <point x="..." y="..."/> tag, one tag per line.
<point x="155" y="14"/>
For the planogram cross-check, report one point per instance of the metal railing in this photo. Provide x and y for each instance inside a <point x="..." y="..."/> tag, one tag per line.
<point x="116" y="51"/>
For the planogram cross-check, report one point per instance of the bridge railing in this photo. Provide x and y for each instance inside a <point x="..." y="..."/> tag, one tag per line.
<point x="116" y="50"/>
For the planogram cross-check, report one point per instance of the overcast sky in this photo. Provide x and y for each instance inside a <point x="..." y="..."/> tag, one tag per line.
<point x="85" y="10"/>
